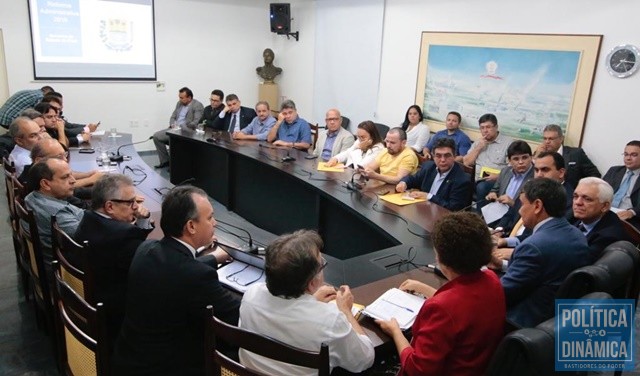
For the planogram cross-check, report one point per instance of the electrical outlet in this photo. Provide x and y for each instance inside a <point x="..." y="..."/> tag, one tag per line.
<point x="146" y="123"/>
<point x="134" y="123"/>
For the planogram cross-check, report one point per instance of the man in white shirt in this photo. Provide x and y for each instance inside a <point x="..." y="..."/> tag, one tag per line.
<point x="26" y="133"/>
<point x="293" y="307"/>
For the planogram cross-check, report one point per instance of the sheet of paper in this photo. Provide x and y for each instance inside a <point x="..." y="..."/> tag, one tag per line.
<point x="239" y="276"/>
<point x="484" y="171"/>
<point x="395" y="303"/>
<point x="494" y="211"/>
<point x="98" y="133"/>
<point x="615" y="210"/>
<point x="400" y="199"/>
<point x="322" y="166"/>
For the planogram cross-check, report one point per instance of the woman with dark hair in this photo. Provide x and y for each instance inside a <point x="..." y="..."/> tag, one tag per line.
<point x="364" y="150"/>
<point x="460" y="325"/>
<point x="417" y="131"/>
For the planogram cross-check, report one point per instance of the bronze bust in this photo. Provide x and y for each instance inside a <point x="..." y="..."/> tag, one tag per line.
<point x="269" y="71"/>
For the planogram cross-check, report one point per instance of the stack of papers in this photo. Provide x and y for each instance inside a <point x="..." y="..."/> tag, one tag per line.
<point x="322" y="166"/>
<point x="395" y="303"/>
<point x="401" y="199"/>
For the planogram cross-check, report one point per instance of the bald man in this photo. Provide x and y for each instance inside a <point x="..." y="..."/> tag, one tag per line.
<point x="25" y="133"/>
<point x="335" y="140"/>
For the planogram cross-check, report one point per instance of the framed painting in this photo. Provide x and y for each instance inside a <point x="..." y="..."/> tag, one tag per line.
<point x="527" y="80"/>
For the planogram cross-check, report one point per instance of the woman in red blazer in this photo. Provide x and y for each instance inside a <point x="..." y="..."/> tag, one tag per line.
<point x="460" y="325"/>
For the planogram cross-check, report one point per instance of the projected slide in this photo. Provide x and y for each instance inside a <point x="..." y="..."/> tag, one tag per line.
<point x="93" y="39"/>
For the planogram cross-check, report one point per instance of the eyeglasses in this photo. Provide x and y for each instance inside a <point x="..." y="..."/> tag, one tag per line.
<point x="331" y="119"/>
<point x="63" y="156"/>
<point x="323" y="264"/>
<point x="232" y="277"/>
<point x="632" y="155"/>
<point x="131" y="202"/>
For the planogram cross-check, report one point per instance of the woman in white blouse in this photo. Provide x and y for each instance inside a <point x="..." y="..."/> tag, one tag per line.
<point x="364" y="150"/>
<point x="417" y="132"/>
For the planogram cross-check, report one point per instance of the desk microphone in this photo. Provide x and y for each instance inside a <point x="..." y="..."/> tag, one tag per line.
<point x="353" y="185"/>
<point x="263" y="145"/>
<point x="251" y="248"/>
<point x="471" y="205"/>
<point x="288" y="157"/>
<point x="117" y="157"/>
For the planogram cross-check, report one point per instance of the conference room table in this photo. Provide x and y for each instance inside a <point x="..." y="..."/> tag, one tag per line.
<point x="391" y="242"/>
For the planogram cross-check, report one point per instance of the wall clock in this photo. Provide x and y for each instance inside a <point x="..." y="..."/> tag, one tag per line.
<point x="623" y="61"/>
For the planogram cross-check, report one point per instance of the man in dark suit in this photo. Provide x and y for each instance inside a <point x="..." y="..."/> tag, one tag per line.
<point x="520" y="170"/>
<point x="626" y="185"/>
<point x="441" y="181"/>
<point x="591" y="203"/>
<point x="114" y="227"/>
<point x="578" y="165"/>
<point x="233" y="117"/>
<point x="212" y="111"/>
<point x="168" y="291"/>
<point x="542" y="261"/>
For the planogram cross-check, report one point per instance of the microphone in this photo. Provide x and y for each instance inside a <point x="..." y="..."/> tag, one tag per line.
<point x="117" y="157"/>
<point x="471" y="205"/>
<point x="353" y="185"/>
<point x="288" y="157"/>
<point x="262" y="145"/>
<point x="251" y="248"/>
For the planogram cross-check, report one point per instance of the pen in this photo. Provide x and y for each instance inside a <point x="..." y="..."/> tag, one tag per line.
<point x="398" y="305"/>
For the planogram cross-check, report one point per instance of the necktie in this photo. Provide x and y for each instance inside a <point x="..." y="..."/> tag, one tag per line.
<point x="582" y="228"/>
<point x="233" y="123"/>
<point x="622" y="191"/>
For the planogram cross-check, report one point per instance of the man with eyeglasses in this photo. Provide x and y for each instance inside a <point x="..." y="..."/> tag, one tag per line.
<point x="488" y="152"/>
<point x="335" y="140"/>
<point x="578" y="164"/>
<point x="442" y="180"/>
<point x="168" y="290"/>
<point x="293" y="307"/>
<point x="114" y="227"/>
<point x="51" y="148"/>
<point x="212" y="111"/>
<point x="25" y="133"/>
<point x="626" y="185"/>
<point x="234" y="117"/>
<point x="72" y="130"/>
<point x="54" y="126"/>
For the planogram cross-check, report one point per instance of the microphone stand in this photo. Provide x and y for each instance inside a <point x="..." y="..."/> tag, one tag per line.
<point x="288" y="157"/>
<point x="353" y="185"/>
<point x="118" y="157"/>
<point x="251" y="248"/>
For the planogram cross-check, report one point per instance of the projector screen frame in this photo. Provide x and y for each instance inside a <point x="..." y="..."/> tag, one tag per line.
<point x="114" y="67"/>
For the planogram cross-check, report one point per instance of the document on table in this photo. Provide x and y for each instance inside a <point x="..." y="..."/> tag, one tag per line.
<point x="322" y="166"/>
<point x="401" y="199"/>
<point x="395" y="303"/>
<point x="494" y="211"/>
<point x="239" y="276"/>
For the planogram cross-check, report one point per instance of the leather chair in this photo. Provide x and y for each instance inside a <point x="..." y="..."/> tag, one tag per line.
<point x="530" y="351"/>
<point x="314" y="135"/>
<point x="82" y="332"/>
<point x="345" y="122"/>
<point x="382" y="129"/>
<point x="77" y="274"/>
<point x="217" y="363"/>
<point x="632" y="232"/>
<point x="616" y="272"/>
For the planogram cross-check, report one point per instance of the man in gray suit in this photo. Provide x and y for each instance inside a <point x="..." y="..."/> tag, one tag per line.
<point x="335" y="140"/>
<point x="508" y="186"/>
<point x="626" y="185"/>
<point x="186" y="115"/>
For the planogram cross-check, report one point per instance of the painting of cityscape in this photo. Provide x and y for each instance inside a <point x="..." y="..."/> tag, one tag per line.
<point x="526" y="88"/>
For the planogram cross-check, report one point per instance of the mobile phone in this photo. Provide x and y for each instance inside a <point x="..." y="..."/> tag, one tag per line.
<point x="86" y="151"/>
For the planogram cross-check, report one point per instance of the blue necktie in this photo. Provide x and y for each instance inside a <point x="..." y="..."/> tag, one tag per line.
<point x="622" y="191"/>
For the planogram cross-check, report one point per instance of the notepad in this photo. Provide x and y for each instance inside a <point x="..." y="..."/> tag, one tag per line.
<point x="322" y="166"/>
<point x="486" y="171"/>
<point x="395" y="303"/>
<point x="398" y="199"/>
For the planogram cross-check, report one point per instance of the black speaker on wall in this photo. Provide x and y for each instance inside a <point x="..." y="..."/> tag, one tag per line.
<point x="280" y="14"/>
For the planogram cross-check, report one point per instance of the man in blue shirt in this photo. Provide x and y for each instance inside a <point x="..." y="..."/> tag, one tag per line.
<point x="463" y="142"/>
<point x="260" y="126"/>
<point x="290" y="130"/>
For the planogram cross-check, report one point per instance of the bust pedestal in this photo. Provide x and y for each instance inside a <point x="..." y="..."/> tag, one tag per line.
<point x="270" y="92"/>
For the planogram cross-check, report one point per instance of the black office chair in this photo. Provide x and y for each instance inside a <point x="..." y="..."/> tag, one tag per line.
<point x="382" y="129"/>
<point x="530" y="351"/>
<point x="345" y="122"/>
<point x="616" y="272"/>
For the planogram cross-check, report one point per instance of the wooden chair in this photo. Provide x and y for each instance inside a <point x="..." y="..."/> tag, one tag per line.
<point x="82" y="330"/>
<point x="632" y="232"/>
<point x="11" y="186"/>
<point x="314" y="135"/>
<point x="219" y="364"/>
<point x="79" y="276"/>
<point x="30" y="241"/>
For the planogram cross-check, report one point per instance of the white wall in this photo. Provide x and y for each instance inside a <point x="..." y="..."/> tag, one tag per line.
<point x="611" y="120"/>
<point x="201" y="44"/>
<point x="206" y="44"/>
